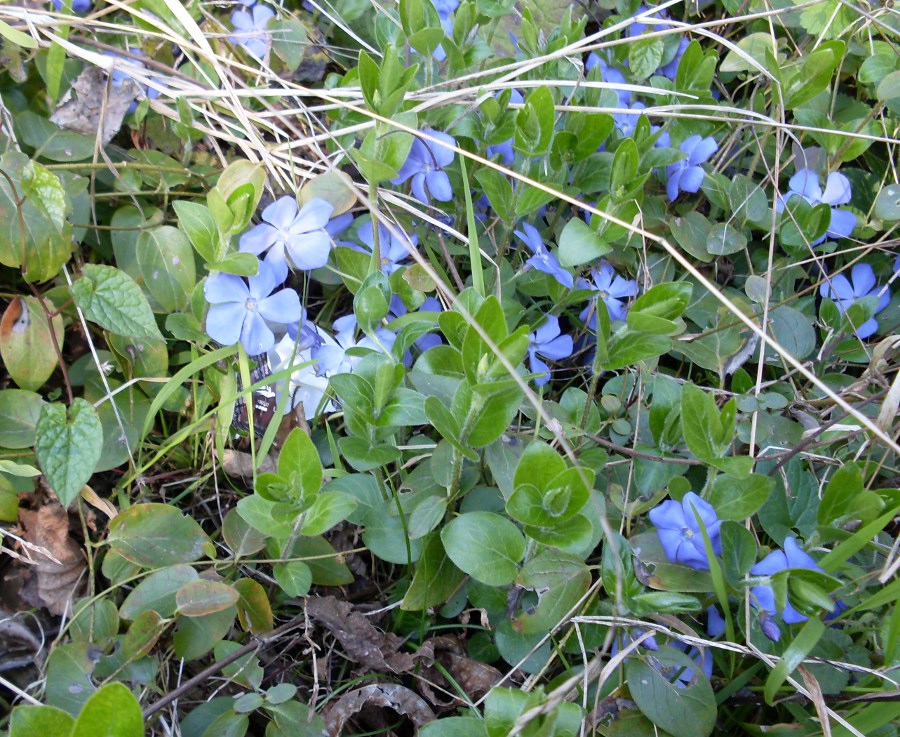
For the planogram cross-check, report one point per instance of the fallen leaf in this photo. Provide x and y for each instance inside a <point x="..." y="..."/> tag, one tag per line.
<point x="472" y="676"/>
<point x="369" y="701"/>
<point x="362" y="642"/>
<point x="90" y="99"/>
<point x="59" y="568"/>
<point x="238" y="464"/>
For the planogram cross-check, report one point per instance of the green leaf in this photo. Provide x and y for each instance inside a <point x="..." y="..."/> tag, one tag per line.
<point x="27" y="342"/>
<point x="166" y="264"/>
<point x="111" y="299"/>
<point x="20" y="412"/>
<point x="112" y="711"/>
<point x="143" y="634"/>
<point x="69" y="669"/>
<point x="299" y="464"/>
<point x="294" y="578"/>
<point x="485" y="545"/>
<point x="240" y="264"/>
<point x="561" y="580"/>
<point x="799" y="648"/>
<point x="624" y="169"/>
<point x="42" y="187"/>
<point x="681" y="711"/>
<point x="644" y="56"/>
<point x="154" y="535"/>
<point x="22" y="470"/>
<point x="724" y="239"/>
<point x="30" y="721"/>
<point x="579" y="244"/>
<point x="435" y="579"/>
<point x="197" y="221"/>
<point x="326" y="511"/>
<point x="454" y="727"/>
<point x="844" y="499"/>
<point x="887" y="204"/>
<point x="737" y="499"/>
<point x="626" y="348"/>
<point x="68" y="448"/>
<point x="289" y="40"/>
<point x="196" y="636"/>
<point x="157" y="592"/>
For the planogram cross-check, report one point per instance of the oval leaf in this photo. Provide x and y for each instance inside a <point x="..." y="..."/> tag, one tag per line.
<point x="486" y="546"/>
<point x="199" y="598"/>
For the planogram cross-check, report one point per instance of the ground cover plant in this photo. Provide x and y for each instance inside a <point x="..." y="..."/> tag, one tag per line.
<point x="484" y="368"/>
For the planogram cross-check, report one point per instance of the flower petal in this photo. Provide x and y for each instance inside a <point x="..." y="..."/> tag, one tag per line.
<point x="439" y="185"/>
<point x="310" y="251"/>
<point x="863" y="278"/>
<point x="703" y="150"/>
<point x="806" y="184"/>
<point x="224" y="322"/>
<point x="282" y="307"/>
<point x="691" y="179"/>
<point x="258" y="239"/>
<point x="558" y="348"/>
<point x="841" y="224"/>
<point x="838" y="289"/>
<point x="256" y="336"/>
<point x="837" y="189"/>
<point x="222" y="287"/>
<point x="313" y="216"/>
<point x="281" y="213"/>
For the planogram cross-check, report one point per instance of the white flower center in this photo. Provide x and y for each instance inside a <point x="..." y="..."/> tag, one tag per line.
<point x="250" y="304"/>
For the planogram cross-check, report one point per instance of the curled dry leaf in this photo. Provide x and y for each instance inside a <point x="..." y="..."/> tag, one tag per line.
<point x="92" y="99"/>
<point x="472" y="676"/>
<point x="370" y="701"/>
<point x="362" y="642"/>
<point x="240" y="465"/>
<point x="59" y="570"/>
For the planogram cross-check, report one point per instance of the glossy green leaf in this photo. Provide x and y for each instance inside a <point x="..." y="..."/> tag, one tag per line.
<point x="155" y="535"/>
<point x="485" y="545"/>
<point x="27" y="343"/>
<point x="157" y="592"/>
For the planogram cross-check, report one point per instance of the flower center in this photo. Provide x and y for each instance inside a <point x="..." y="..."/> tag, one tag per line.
<point x="604" y="295"/>
<point x="250" y="304"/>
<point x="687" y="532"/>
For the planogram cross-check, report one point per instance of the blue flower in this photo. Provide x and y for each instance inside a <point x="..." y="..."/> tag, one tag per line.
<point x="505" y="150"/>
<point x="394" y="249"/>
<point x="244" y="312"/>
<point x="289" y="229"/>
<point x="543" y="260"/>
<point x="250" y="26"/>
<point x="763" y="597"/>
<point x="626" y="122"/>
<point x="613" y="290"/>
<point x="547" y="342"/>
<point x="679" y="533"/>
<point x="687" y="175"/>
<point x="444" y="9"/>
<point x="844" y="292"/>
<point x="609" y="74"/>
<point x="670" y="69"/>
<point x="78" y="6"/>
<point x="805" y="184"/>
<point x="424" y="166"/>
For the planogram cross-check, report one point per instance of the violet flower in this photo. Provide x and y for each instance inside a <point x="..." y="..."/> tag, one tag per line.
<point x="687" y="175"/>
<point x="297" y="232"/>
<point x="444" y="9"/>
<point x="250" y="26"/>
<point x="548" y="343"/>
<point x="542" y="259"/>
<point x="845" y="292"/>
<point x="627" y="121"/>
<point x="424" y="166"/>
<point x="805" y="184"/>
<point x="680" y="534"/>
<point x="612" y="289"/>
<point x="245" y="310"/>
<point x="763" y="597"/>
<point x="505" y="150"/>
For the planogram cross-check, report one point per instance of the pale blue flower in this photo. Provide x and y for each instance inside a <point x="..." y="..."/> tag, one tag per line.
<point x="394" y="245"/>
<point x="78" y="6"/>
<point x="246" y="311"/>
<point x="289" y="231"/>
<point x="250" y="29"/>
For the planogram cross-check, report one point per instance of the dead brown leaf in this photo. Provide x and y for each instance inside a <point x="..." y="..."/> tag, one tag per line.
<point x="92" y="98"/>
<point x="370" y="702"/>
<point x="238" y="464"/>
<point x="472" y="676"/>
<point x="362" y="642"/>
<point x="58" y="568"/>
